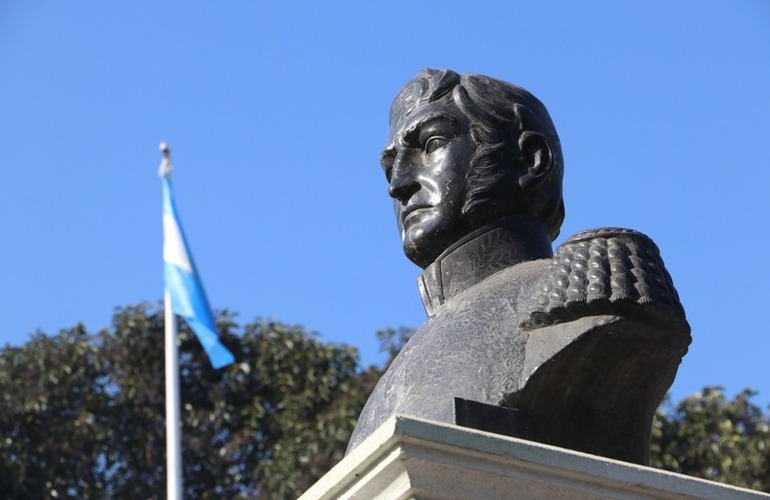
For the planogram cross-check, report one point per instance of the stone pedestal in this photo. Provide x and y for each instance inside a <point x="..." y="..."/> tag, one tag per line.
<point x="408" y="458"/>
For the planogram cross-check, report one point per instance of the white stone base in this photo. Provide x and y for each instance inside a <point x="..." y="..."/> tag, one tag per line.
<point x="409" y="458"/>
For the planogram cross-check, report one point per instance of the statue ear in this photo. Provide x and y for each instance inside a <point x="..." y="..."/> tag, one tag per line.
<point x="537" y="159"/>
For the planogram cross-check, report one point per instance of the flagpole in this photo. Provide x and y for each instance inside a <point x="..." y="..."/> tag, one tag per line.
<point x="173" y="434"/>
<point x="173" y="431"/>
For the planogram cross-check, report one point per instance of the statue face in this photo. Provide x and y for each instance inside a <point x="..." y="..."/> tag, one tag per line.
<point x="426" y="162"/>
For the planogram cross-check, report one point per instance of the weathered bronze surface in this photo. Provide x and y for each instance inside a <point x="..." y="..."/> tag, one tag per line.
<point x="582" y="343"/>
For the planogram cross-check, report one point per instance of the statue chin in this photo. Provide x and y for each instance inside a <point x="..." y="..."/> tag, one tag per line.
<point x="423" y="245"/>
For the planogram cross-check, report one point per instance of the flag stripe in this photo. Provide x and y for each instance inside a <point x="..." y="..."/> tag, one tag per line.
<point x="174" y="251"/>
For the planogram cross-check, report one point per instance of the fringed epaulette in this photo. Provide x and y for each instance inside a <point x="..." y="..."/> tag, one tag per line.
<point x="603" y="271"/>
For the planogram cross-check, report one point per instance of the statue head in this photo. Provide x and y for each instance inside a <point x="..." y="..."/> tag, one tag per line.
<point x="465" y="151"/>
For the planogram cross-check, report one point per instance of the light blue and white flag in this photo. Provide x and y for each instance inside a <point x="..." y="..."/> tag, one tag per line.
<point x="188" y="299"/>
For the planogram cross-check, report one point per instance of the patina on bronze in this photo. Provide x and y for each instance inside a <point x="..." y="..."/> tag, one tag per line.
<point x="579" y="345"/>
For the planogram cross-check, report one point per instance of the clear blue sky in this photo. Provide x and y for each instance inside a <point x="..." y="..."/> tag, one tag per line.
<point x="276" y="113"/>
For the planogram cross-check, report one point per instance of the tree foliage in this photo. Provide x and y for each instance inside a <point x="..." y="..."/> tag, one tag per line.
<point x="83" y="414"/>
<point x="708" y="436"/>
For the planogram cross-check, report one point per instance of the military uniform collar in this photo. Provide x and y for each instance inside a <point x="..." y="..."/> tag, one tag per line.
<point x="479" y="255"/>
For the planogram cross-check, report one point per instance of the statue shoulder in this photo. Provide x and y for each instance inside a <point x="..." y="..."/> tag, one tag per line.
<point x="604" y="271"/>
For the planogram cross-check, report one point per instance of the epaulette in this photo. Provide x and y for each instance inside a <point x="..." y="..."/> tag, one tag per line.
<point x="603" y="271"/>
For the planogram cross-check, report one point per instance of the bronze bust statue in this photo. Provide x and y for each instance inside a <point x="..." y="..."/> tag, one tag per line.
<point x="574" y="348"/>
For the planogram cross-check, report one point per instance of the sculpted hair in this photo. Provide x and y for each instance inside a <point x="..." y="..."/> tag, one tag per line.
<point x="501" y="114"/>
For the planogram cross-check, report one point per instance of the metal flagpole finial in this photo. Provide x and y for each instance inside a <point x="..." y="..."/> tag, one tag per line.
<point x="165" y="164"/>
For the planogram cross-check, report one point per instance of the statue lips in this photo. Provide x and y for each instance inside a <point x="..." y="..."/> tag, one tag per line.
<point x="411" y="212"/>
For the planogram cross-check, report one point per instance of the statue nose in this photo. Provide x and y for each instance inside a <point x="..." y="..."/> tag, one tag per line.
<point x="402" y="181"/>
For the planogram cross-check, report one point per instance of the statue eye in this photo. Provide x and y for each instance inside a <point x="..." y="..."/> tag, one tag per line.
<point x="434" y="143"/>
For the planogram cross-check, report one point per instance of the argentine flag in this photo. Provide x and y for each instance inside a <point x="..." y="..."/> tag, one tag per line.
<point x="188" y="298"/>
